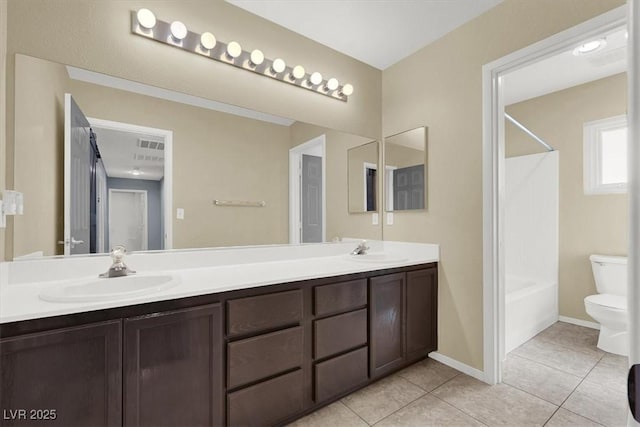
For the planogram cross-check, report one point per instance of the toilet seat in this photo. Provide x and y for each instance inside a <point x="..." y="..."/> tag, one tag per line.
<point x="617" y="302"/>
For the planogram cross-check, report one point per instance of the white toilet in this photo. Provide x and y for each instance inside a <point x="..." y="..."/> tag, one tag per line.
<point x="609" y="306"/>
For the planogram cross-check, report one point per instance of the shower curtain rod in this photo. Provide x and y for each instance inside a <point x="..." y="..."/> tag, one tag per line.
<point x="528" y="132"/>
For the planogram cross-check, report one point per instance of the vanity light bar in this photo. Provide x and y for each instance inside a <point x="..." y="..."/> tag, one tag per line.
<point x="176" y="34"/>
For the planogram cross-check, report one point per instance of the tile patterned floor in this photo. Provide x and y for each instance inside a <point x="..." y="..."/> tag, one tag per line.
<point x="558" y="378"/>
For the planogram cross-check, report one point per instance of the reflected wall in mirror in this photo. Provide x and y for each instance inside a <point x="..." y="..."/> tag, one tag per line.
<point x="220" y="152"/>
<point x="405" y="168"/>
<point x="363" y="178"/>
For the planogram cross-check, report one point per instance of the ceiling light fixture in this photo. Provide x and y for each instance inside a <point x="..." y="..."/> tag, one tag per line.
<point x="590" y="47"/>
<point x="208" y="40"/>
<point x="176" y="34"/>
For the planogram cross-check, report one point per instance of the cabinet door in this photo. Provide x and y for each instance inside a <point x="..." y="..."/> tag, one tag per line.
<point x="64" y="377"/>
<point x="386" y="322"/>
<point x="173" y="368"/>
<point x="422" y="313"/>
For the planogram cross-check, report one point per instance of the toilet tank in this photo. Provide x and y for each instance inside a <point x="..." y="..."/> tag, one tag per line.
<point x="610" y="274"/>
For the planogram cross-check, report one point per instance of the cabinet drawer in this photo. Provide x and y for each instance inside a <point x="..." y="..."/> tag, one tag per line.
<point x="340" y="297"/>
<point x="256" y="358"/>
<point x="339" y="333"/>
<point x="266" y="403"/>
<point x="263" y="312"/>
<point x="341" y="374"/>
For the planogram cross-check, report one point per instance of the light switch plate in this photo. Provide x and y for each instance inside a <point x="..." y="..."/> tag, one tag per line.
<point x="180" y="213"/>
<point x="389" y="218"/>
<point x="375" y="219"/>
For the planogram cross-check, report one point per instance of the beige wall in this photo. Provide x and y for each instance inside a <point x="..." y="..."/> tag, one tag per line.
<point x="356" y="158"/>
<point x="440" y="86"/>
<point x="340" y="223"/>
<point x="96" y="35"/>
<point x="3" y="107"/>
<point x="588" y="223"/>
<point x="39" y="154"/>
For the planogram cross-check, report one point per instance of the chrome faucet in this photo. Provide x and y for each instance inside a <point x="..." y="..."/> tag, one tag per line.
<point x="361" y="249"/>
<point x="118" y="268"/>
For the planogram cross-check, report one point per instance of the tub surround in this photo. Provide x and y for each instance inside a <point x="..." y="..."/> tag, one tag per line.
<point x="200" y="272"/>
<point x="252" y="343"/>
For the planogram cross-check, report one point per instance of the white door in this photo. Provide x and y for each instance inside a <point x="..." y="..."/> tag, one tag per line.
<point x="77" y="179"/>
<point x="128" y="219"/>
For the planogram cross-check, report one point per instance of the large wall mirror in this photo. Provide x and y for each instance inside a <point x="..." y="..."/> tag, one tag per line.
<point x="405" y="165"/>
<point x="363" y="178"/>
<point x="155" y="169"/>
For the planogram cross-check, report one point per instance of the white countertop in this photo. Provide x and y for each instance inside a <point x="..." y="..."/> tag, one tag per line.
<point x="19" y="298"/>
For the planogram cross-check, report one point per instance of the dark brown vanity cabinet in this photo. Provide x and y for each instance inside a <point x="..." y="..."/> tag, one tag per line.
<point x="340" y="338"/>
<point x="265" y="353"/>
<point x="173" y="368"/>
<point x="252" y="357"/>
<point x="402" y="319"/>
<point x="63" y="377"/>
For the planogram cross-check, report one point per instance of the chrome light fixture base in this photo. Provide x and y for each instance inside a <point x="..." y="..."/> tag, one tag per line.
<point x="161" y="32"/>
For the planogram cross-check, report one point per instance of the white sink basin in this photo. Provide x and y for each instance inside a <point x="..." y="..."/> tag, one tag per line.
<point x="378" y="258"/>
<point x="109" y="289"/>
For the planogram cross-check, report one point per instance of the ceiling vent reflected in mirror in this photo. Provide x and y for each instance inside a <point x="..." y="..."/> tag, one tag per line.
<point x="150" y="144"/>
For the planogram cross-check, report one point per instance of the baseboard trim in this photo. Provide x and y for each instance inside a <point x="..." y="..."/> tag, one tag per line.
<point x="453" y="363"/>
<point x="579" y="322"/>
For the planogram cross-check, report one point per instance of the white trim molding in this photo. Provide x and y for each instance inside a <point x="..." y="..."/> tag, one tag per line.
<point x="593" y="153"/>
<point x="579" y="322"/>
<point x="167" y="188"/>
<point x="493" y="172"/>
<point x="458" y="366"/>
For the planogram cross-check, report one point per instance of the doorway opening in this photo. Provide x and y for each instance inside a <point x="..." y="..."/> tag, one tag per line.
<point x="307" y="192"/>
<point x="494" y="172"/>
<point x="128" y="225"/>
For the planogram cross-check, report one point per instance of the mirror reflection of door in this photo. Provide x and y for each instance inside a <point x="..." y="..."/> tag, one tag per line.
<point x="311" y="199"/>
<point x="80" y="168"/>
<point x="102" y="156"/>
<point x="128" y="213"/>
<point x="406" y="170"/>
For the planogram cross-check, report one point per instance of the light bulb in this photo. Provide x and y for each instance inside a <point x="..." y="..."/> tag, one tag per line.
<point x="257" y="57"/>
<point x="178" y="30"/>
<point x="278" y="65"/>
<point x="316" y="78"/>
<point x="234" y="49"/>
<point x="347" y="90"/>
<point x="332" y="84"/>
<point x="208" y="40"/>
<point x="146" y="18"/>
<point x="297" y="72"/>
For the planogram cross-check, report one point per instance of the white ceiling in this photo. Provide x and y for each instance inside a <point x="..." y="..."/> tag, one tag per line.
<point x="121" y="154"/>
<point x="566" y="70"/>
<point x="376" y="32"/>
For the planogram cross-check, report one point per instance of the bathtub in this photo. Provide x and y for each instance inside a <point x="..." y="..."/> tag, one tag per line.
<point x="530" y="307"/>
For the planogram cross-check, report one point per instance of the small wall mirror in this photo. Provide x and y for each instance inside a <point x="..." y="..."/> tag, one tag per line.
<point x="363" y="175"/>
<point x="405" y="168"/>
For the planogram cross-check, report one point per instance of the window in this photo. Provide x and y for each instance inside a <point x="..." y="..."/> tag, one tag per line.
<point x="605" y="156"/>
